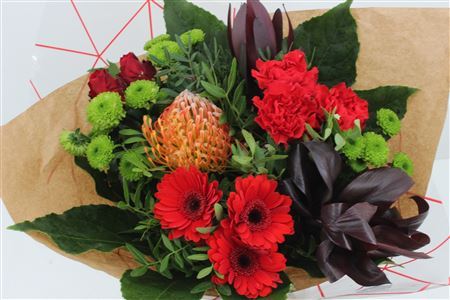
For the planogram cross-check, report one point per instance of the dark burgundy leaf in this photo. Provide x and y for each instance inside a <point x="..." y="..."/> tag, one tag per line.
<point x="355" y="222"/>
<point x="290" y="37"/>
<point x="277" y="21"/>
<point x="380" y="187"/>
<point x="287" y="187"/>
<point x="229" y="30"/>
<point x="252" y="52"/>
<point x="263" y="31"/>
<point x="412" y="223"/>
<point x="332" y="272"/>
<point x="238" y="33"/>
<point x="328" y="163"/>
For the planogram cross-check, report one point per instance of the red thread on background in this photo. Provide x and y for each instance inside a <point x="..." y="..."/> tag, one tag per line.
<point x="87" y="31"/>
<point x="150" y="17"/>
<point x="412" y="278"/>
<point x="428" y="252"/>
<point x="322" y="294"/>
<point x="427" y="198"/>
<point x="35" y="90"/>
<point x="66" y="50"/>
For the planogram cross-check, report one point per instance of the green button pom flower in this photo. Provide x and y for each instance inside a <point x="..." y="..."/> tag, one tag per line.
<point x="388" y="121"/>
<point x="100" y="152"/>
<point x="402" y="161"/>
<point x="358" y="165"/>
<point x="376" y="151"/>
<point x="105" y="111"/>
<point x="193" y="36"/>
<point x="141" y="93"/>
<point x="159" y="51"/>
<point x="74" y="142"/>
<point x="126" y="167"/>
<point x="156" y="40"/>
<point x="354" y="148"/>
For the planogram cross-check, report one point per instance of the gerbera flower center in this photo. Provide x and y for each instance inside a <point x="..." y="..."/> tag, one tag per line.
<point x="243" y="261"/>
<point x="256" y="215"/>
<point x="193" y="206"/>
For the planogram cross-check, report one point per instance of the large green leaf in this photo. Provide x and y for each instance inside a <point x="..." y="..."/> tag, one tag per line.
<point x="181" y="16"/>
<point x="153" y="286"/>
<point x="330" y="43"/>
<point x="107" y="185"/>
<point x="392" y="97"/>
<point x="83" y="228"/>
<point x="280" y="293"/>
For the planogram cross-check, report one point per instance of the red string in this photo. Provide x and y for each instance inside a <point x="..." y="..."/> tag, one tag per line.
<point x="35" y="90"/>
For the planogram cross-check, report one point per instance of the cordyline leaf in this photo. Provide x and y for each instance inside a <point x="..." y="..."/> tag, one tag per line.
<point x="330" y="43"/>
<point x="154" y="286"/>
<point x="263" y="31"/>
<point x="85" y="228"/>
<point x="277" y="22"/>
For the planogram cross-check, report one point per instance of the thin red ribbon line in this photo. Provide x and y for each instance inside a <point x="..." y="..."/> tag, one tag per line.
<point x="322" y="294"/>
<point x="66" y="50"/>
<point x="35" y="90"/>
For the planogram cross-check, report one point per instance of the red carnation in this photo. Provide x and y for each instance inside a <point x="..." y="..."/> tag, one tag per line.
<point x="259" y="215"/>
<point x="185" y="202"/>
<point x="348" y="106"/>
<point x="292" y="97"/>
<point x="101" y="81"/>
<point x="252" y="272"/>
<point x="132" y="69"/>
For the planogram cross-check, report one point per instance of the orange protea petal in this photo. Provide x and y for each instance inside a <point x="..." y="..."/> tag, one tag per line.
<point x="188" y="133"/>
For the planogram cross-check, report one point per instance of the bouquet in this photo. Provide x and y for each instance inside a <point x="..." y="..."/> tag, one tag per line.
<point x="233" y="155"/>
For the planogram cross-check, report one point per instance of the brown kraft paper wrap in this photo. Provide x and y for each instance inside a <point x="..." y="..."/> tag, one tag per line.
<point x="398" y="47"/>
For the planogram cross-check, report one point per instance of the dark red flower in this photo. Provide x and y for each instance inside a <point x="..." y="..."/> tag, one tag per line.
<point x="252" y="272"/>
<point x="259" y="215"/>
<point x="101" y="81"/>
<point x="132" y="69"/>
<point x="292" y="97"/>
<point x="185" y="202"/>
<point x="348" y="106"/>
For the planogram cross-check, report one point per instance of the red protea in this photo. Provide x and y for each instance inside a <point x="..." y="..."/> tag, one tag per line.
<point x="188" y="133"/>
<point x="252" y="272"/>
<point x="259" y="215"/>
<point x="185" y="202"/>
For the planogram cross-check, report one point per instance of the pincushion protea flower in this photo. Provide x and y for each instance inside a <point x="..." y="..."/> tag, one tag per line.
<point x="188" y="133"/>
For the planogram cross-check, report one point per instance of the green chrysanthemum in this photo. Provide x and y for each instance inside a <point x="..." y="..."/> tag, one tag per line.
<point x="376" y="150"/>
<point x="141" y="93"/>
<point x="158" y="51"/>
<point x="126" y="167"/>
<point x="105" y="111"/>
<point x="100" y="152"/>
<point x="194" y="36"/>
<point x="156" y="40"/>
<point x="402" y="161"/>
<point x="358" y="165"/>
<point x="74" y="142"/>
<point x="354" y="148"/>
<point x="388" y="121"/>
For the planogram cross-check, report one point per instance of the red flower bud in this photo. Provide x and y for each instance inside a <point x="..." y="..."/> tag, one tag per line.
<point x="131" y="69"/>
<point x="101" y="81"/>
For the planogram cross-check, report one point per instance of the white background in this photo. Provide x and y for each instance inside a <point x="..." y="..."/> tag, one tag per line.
<point x="29" y="269"/>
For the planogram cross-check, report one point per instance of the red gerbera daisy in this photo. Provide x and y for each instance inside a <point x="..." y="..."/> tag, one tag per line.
<point x="252" y="272"/>
<point x="260" y="215"/>
<point x="186" y="202"/>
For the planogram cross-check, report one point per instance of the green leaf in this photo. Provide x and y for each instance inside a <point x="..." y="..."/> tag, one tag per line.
<point x="204" y="272"/>
<point x="392" y="97"/>
<point x="218" y="211"/>
<point x="129" y="132"/>
<point x="156" y="287"/>
<point x="250" y="140"/>
<point x="181" y="16"/>
<point x="138" y="255"/>
<point x="164" y="263"/>
<point x="85" y="228"/>
<point x="213" y="90"/>
<point x="167" y="243"/>
<point x="134" y="139"/>
<point x="202" y="287"/>
<point x="339" y="141"/>
<point x="232" y="76"/>
<point x="205" y="230"/>
<point x="113" y="69"/>
<point x="139" y="271"/>
<point x="224" y="290"/>
<point x="198" y="257"/>
<point x="330" y="43"/>
<point x="201" y="249"/>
